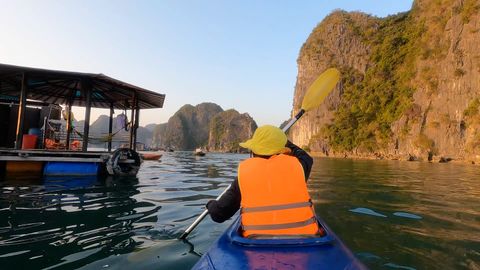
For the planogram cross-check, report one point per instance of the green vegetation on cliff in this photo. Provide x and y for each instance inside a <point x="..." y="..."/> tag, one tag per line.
<point x="369" y="107"/>
<point x="229" y="128"/>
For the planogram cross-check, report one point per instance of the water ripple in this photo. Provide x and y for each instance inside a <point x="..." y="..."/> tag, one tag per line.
<point x="393" y="215"/>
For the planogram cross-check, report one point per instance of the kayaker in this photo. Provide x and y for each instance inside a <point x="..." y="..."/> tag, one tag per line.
<point x="270" y="188"/>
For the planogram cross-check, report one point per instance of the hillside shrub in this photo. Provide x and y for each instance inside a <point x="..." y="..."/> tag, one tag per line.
<point x="425" y="143"/>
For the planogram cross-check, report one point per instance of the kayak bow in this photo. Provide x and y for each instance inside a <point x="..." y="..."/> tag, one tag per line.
<point x="232" y="251"/>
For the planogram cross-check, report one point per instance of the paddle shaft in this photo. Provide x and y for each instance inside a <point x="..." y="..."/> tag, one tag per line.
<point x="293" y="120"/>
<point x="205" y="212"/>
<point x="201" y="217"/>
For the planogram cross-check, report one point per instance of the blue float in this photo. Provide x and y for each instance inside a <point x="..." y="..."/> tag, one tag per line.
<point x="53" y="168"/>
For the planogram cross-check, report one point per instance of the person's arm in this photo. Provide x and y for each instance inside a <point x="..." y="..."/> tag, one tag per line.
<point x="227" y="205"/>
<point x="302" y="156"/>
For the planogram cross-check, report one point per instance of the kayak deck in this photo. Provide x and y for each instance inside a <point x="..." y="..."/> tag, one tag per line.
<point x="232" y="251"/>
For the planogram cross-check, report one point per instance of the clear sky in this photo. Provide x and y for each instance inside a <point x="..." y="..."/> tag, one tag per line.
<point x="239" y="54"/>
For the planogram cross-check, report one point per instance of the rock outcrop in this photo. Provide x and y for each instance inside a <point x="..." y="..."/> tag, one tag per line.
<point x="410" y="84"/>
<point x="159" y="135"/>
<point x="205" y="125"/>
<point x="227" y="129"/>
<point x="188" y="128"/>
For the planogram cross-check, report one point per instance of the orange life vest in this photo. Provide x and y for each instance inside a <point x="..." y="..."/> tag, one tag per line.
<point x="275" y="199"/>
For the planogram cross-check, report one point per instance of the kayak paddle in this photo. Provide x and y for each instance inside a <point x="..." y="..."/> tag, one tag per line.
<point x="316" y="94"/>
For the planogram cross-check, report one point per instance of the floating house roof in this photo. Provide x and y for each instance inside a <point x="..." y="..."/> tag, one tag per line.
<point x="60" y="87"/>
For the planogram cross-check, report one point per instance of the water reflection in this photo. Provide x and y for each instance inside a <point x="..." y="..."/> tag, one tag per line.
<point x="430" y="211"/>
<point x="112" y="222"/>
<point x="432" y="214"/>
<point x="366" y="211"/>
<point x="69" y="222"/>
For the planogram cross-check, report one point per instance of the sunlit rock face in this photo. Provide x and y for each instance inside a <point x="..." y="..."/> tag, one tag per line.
<point x="410" y="84"/>
<point x="205" y="125"/>
<point x="228" y="128"/>
<point x="188" y="128"/>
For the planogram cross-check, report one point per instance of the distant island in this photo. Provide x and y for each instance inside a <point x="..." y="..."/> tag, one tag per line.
<point x="205" y="125"/>
<point x="410" y="84"/>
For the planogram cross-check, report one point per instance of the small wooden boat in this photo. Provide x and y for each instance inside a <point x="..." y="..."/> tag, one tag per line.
<point x="151" y="156"/>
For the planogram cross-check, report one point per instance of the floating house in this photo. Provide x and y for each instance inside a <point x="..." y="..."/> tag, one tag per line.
<point x="37" y="135"/>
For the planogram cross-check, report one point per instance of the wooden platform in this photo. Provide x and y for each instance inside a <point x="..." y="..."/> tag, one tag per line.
<point x="43" y="155"/>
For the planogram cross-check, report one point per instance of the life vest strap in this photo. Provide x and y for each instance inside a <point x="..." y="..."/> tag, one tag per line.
<point x="280" y="226"/>
<point x="276" y="207"/>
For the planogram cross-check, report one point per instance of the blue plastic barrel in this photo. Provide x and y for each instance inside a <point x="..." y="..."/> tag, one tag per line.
<point x="53" y="168"/>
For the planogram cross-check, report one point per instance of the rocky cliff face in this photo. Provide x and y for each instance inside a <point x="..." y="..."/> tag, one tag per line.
<point x="159" y="135"/>
<point x="205" y="125"/>
<point x="410" y="83"/>
<point x="335" y="41"/>
<point x="228" y="128"/>
<point x="188" y="128"/>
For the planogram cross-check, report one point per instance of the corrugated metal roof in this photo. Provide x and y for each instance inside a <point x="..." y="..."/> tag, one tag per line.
<point x="54" y="86"/>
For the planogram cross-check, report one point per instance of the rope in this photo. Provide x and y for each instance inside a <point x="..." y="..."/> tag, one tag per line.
<point x="106" y="138"/>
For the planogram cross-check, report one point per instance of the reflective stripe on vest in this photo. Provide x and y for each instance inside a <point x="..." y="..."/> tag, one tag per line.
<point x="275" y="207"/>
<point x="274" y="197"/>
<point x="280" y="226"/>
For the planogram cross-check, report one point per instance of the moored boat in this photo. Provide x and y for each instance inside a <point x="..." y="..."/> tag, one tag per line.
<point x="233" y="251"/>
<point x="151" y="156"/>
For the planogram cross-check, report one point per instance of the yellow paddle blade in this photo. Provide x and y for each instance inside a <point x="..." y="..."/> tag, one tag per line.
<point x="320" y="89"/>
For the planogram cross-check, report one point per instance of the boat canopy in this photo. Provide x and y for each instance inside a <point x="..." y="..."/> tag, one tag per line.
<point x="65" y="87"/>
<point x="42" y="87"/>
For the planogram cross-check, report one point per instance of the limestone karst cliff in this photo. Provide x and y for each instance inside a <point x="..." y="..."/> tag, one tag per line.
<point x="410" y="83"/>
<point x="188" y="128"/>
<point x="228" y="128"/>
<point x="205" y="125"/>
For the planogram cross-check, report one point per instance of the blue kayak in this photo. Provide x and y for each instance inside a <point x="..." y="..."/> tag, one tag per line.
<point x="232" y="251"/>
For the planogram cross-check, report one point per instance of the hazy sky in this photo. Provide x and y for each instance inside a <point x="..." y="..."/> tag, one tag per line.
<point x="239" y="54"/>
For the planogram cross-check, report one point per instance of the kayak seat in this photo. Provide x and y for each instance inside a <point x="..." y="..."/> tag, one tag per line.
<point x="320" y="233"/>
<point x="236" y="236"/>
<point x="286" y="236"/>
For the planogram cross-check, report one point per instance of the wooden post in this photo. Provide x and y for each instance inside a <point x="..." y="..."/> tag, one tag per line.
<point x="87" y="91"/>
<point x="132" y="126"/>
<point x="137" y="118"/>
<point x="69" y="122"/>
<point x="110" y="121"/>
<point x="21" y="112"/>
<point x="44" y="135"/>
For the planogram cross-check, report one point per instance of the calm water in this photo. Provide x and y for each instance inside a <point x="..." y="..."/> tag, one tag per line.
<point x="393" y="215"/>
